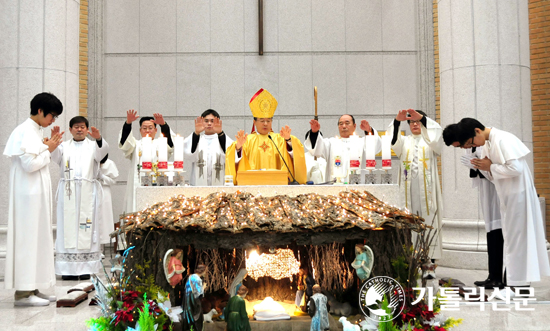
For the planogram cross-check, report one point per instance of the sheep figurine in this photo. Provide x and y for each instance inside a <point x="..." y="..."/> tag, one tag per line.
<point x="348" y="326"/>
<point x="208" y="317"/>
<point x="338" y="308"/>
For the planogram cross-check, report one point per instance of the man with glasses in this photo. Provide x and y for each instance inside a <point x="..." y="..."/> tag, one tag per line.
<point x="340" y="152"/>
<point x="490" y="208"/>
<point x="131" y="147"/>
<point x="504" y="161"/>
<point x="260" y="150"/>
<point x="419" y="177"/>
<point x="207" y="151"/>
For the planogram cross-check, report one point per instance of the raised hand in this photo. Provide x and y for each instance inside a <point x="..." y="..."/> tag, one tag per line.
<point x="54" y="141"/>
<point x="315" y="126"/>
<point x="241" y="139"/>
<point x="131" y="115"/>
<point x="217" y="125"/>
<point x="94" y="133"/>
<point x="199" y="125"/>
<point x="402" y="115"/>
<point x="55" y="130"/>
<point x="285" y="132"/>
<point x="159" y="119"/>
<point x="414" y="115"/>
<point x="365" y="126"/>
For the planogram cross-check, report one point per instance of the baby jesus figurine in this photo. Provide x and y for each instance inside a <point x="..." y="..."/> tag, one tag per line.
<point x="173" y="268"/>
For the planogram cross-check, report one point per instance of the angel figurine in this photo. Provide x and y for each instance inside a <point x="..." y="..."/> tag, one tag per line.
<point x="173" y="268"/>
<point x="364" y="260"/>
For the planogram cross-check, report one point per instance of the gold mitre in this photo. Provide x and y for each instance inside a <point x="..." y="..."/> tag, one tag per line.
<point x="263" y="104"/>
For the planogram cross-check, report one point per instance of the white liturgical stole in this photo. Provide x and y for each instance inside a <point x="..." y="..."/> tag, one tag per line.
<point x="78" y="162"/>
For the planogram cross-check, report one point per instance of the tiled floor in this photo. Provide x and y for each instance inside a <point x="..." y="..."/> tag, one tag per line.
<point x="74" y="319"/>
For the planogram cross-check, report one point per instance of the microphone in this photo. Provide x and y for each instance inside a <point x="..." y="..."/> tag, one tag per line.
<point x="293" y="182"/>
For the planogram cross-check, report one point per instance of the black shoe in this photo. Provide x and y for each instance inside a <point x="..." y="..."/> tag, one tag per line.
<point x="494" y="283"/>
<point x="482" y="282"/>
<point x="69" y="277"/>
<point x="84" y="277"/>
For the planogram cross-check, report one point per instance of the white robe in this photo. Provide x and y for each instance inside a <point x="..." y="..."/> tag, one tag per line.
<point x="30" y="255"/>
<point x="131" y="150"/>
<point x="107" y="175"/>
<point x="419" y="178"/>
<point x="525" y="256"/>
<point x="211" y="148"/>
<point x="344" y="148"/>
<point x="488" y="198"/>
<point x="84" y="154"/>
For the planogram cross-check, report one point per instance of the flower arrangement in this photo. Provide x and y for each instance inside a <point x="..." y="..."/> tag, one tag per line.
<point x="132" y="306"/>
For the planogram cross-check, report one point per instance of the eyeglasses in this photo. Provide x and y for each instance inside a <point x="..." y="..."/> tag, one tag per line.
<point x="414" y="122"/>
<point x="469" y="143"/>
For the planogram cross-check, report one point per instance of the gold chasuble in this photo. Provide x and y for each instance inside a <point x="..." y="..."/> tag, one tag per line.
<point x="259" y="153"/>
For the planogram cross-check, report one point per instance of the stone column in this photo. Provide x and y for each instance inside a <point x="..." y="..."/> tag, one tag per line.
<point x="485" y="74"/>
<point x="38" y="52"/>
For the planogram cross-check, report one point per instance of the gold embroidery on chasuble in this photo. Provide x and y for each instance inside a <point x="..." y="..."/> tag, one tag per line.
<point x="264" y="146"/>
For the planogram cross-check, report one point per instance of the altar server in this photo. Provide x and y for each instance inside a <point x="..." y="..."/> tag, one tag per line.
<point x="260" y="150"/>
<point x="237" y="317"/>
<point x="207" y="151"/>
<point x="504" y="160"/>
<point x="107" y="174"/>
<point x="419" y="178"/>
<point x="30" y="255"/>
<point x="490" y="208"/>
<point x="79" y="194"/>
<point x="131" y="147"/>
<point x="342" y="150"/>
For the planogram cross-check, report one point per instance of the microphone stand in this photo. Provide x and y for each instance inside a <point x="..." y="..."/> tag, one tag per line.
<point x="293" y="182"/>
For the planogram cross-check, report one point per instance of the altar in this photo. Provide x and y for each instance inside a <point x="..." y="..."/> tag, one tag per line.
<point x="149" y="195"/>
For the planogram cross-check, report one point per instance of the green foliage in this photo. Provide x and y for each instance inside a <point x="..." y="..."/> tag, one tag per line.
<point x="401" y="270"/>
<point x="148" y="284"/>
<point x="451" y="323"/>
<point x="99" y="324"/>
<point x="386" y="324"/>
<point x="146" y="321"/>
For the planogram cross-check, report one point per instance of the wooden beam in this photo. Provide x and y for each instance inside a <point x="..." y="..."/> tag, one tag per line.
<point x="261" y="26"/>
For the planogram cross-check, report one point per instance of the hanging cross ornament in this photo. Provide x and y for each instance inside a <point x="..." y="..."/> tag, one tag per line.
<point x="68" y="190"/>
<point x="201" y="164"/>
<point x="218" y="166"/>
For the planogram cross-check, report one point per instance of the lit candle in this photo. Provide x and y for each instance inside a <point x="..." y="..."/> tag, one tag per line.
<point x="370" y="145"/>
<point x="162" y="147"/>
<point x="386" y="151"/>
<point x="146" y="153"/>
<point x="178" y="152"/>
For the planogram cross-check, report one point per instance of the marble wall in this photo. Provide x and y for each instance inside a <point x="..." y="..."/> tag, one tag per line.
<point x="38" y="52"/>
<point x="181" y="57"/>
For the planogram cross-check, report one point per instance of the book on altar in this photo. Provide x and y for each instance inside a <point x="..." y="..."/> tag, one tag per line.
<point x="262" y="177"/>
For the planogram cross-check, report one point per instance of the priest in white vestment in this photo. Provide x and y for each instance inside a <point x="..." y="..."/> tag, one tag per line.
<point x="418" y="176"/>
<point x="339" y="152"/>
<point x="79" y="194"/>
<point x="131" y="147"/>
<point x="490" y="208"/>
<point x="504" y="160"/>
<point x="206" y="152"/>
<point x="107" y="174"/>
<point x="29" y="250"/>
